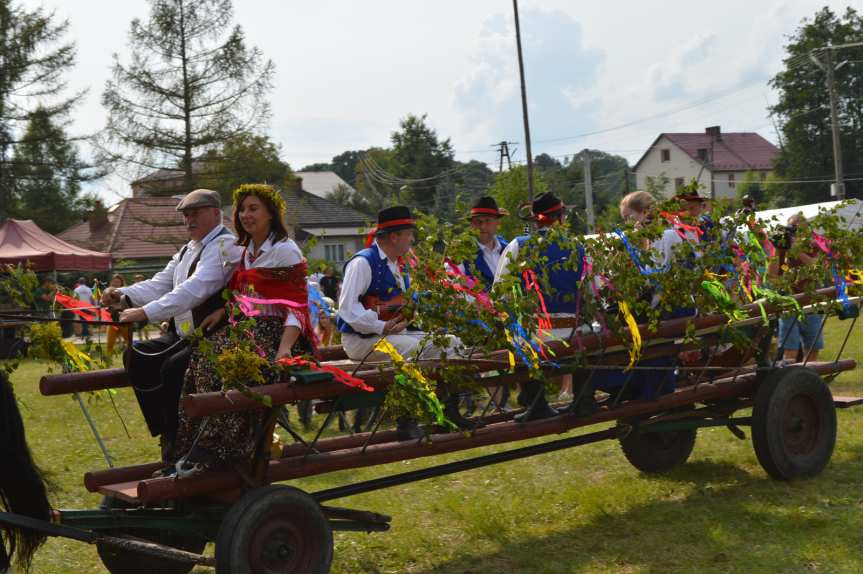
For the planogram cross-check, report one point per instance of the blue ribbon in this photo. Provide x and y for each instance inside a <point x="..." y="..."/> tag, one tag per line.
<point x="316" y="304"/>
<point x="633" y="254"/>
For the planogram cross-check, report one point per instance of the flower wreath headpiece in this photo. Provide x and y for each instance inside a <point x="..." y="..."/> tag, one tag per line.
<point x="261" y="190"/>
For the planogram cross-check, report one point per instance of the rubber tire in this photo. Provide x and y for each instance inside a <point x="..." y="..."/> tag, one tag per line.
<point x="117" y="561"/>
<point x="287" y="514"/>
<point x="803" y="451"/>
<point x="658" y="452"/>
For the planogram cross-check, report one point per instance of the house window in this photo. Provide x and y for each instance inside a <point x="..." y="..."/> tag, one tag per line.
<point x="334" y="253"/>
<point x="702" y="153"/>
<point x="678" y="183"/>
<point x="665" y="154"/>
<point x="731" y="180"/>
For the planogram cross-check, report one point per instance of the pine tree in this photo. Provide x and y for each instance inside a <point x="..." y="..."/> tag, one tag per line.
<point x="191" y="85"/>
<point x="48" y="175"/>
<point x="33" y="59"/>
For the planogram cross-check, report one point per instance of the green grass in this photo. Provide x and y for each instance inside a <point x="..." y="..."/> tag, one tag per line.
<point x="581" y="510"/>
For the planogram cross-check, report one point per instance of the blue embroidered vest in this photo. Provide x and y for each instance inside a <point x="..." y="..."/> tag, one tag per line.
<point x="563" y="281"/>
<point x="383" y="285"/>
<point x="479" y="264"/>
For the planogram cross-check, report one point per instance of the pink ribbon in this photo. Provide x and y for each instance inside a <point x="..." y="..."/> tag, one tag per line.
<point x="247" y="304"/>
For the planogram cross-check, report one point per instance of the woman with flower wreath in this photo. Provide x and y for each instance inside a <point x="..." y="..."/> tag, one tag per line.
<point x="270" y="287"/>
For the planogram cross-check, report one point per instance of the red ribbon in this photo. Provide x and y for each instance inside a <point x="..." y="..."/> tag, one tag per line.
<point x="543" y="217"/>
<point x="680" y="227"/>
<point x="84" y="310"/>
<point x="484" y="211"/>
<point x="391" y="223"/>
<point x="338" y="374"/>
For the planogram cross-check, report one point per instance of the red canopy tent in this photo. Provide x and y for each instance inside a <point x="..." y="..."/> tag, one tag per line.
<point x="24" y="241"/>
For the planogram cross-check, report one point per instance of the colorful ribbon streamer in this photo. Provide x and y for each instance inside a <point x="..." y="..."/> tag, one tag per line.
<point x="635" y="350"/>
<point x="427" y="395"/>
<point x="338" y="374"/>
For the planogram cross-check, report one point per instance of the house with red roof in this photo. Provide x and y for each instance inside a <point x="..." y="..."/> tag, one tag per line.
<point x="147" y="229"/>
<point x="718" y="161"/>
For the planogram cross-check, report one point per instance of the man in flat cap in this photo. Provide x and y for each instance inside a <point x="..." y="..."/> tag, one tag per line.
<point x="184" y="293"/>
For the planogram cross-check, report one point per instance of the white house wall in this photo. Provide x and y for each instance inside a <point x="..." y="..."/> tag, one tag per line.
<point x="680" y="165"/>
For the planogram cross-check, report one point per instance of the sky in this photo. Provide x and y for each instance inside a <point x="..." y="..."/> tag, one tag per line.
<point x="607" y="75"/>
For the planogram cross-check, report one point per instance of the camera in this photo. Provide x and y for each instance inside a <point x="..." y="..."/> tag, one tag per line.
<point x="783" y="236"/>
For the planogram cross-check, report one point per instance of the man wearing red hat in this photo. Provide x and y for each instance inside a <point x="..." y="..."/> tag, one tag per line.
<point x="375" y="280"/>
<point x="485" y="217"/>
<point x="547" y="211"/>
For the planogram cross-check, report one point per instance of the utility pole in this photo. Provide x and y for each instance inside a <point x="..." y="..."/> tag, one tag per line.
<point x="524" y="104"/>
<point x="503" y="150"/>
<point x="588" y="192"/>
<point x="828" y="69"/>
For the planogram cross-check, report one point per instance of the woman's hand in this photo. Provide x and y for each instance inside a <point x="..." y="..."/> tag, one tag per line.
<point x="212" y="319"/>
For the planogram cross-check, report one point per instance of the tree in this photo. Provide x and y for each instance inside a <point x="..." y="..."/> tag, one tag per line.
<point x="243" y="158"/>
<point x="344" y="165"/>
<point x="192" y="84"/>
<point x="423" y="163"/>
<point x="33" y="59"/>
<point x="803" y="109"/>
<point x="510" y="192"/>
<point x="48" y="175"/>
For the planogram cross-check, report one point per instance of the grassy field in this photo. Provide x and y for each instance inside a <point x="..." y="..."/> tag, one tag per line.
<point x="581" y="510"/>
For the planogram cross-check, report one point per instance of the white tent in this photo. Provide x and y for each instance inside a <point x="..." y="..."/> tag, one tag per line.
<point x="852" y="213"/>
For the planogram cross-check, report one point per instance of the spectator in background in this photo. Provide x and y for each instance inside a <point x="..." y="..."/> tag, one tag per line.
<point x="141" y="326"/>
<point x="43" y="297"/>
<point x="85" y="294"/>
<point x="330" y="283"/>
<point x="796" y="337"/>
<point x="124" y="331"/>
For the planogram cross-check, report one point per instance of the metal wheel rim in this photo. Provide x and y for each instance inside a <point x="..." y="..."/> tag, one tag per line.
<point x="280" y="545"/>
<point x="801" y="425"/>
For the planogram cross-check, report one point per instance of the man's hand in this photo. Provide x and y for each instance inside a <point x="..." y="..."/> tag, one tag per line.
<point x="395" y="325"/>
<point x="133" y="315"/>
<point x="111" y="296"/>
<point x="212" y="319"/>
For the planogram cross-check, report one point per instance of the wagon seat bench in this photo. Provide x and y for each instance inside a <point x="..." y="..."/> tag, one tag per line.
<point x="793" y="431"/>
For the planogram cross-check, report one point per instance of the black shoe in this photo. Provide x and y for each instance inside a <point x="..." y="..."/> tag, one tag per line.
<point x="538" y="407"/>
<point x="408" y="429"/>
<point x="452" y="413"/>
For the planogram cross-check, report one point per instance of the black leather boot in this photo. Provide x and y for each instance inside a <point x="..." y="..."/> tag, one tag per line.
<point x="452" y="413"/>
<point x="537" y="407"/>
<point x="408" y="429"/>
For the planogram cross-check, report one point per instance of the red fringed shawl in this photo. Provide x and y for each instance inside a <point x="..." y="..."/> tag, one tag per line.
<point x="284" y="287"/>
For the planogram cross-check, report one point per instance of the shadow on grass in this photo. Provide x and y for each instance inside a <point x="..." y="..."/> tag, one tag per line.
<point x="727" y="521"/>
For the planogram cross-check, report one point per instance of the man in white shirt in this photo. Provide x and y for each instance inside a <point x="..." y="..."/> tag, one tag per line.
<point x="485" y="217"/>
<point x="372" y="294"/>
<point x="85" y="294"/>
<point x="185" y="292"/>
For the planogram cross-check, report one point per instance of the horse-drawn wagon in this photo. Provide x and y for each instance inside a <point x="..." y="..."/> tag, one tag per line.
<point x="163" y="522"/>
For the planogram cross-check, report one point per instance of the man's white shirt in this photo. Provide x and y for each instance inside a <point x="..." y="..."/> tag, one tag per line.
<point x="173" y="293"/>
<point x="358" y="278"/>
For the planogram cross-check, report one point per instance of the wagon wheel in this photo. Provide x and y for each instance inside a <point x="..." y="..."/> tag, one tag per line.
<point x="274" y="529"/>
<point x="119" y="561"/>
<point x="793" y="424"/>
<point x="659" y="451"/>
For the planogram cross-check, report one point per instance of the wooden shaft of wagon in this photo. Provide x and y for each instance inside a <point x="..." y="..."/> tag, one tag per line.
<point x="66" y="383"/>
<point x="159" y="489"/>
<point x="116" y="378"/>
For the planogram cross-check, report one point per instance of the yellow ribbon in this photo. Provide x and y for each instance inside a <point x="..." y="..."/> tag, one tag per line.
<point x="635" y="350"/>
<point x="855" y="276"/>
<point x="80" y="359"/>
<point x="409" y="369"/>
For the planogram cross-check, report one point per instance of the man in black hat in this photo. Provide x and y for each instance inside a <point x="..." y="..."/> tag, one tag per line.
<point x="372" y="293"/>
<point x="563" y="273"/>
<point x="485" y="218"/>
<point x="185" y="292"/>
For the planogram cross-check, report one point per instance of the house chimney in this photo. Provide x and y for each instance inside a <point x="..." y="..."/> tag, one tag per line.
<point x="714" y="132"/>
<point x="98" y="218"/>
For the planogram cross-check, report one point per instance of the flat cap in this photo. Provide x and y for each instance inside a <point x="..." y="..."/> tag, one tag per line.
<point x="200" y="198"/>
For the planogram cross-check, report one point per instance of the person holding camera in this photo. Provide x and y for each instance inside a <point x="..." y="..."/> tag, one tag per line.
<point x="797" y="338"/>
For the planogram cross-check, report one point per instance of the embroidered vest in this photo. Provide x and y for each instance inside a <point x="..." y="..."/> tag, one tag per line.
<point x="563" y="281"/>
<point x="383" y="285"/>
<point x="479" y="265"/>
